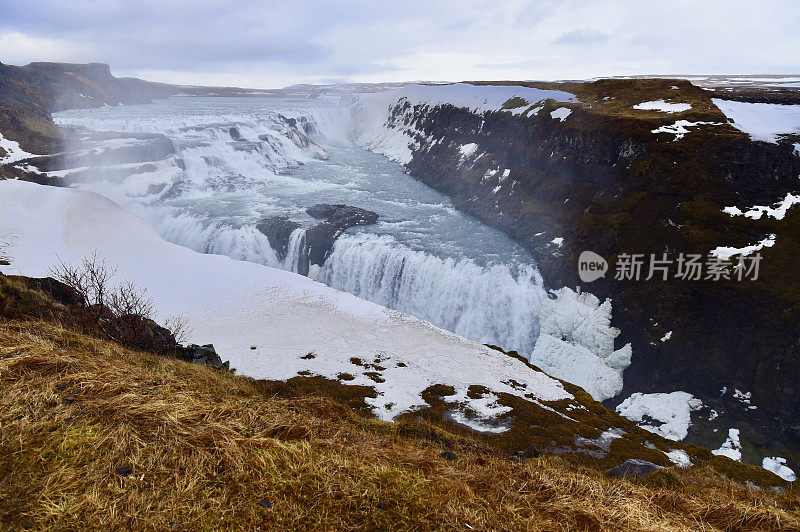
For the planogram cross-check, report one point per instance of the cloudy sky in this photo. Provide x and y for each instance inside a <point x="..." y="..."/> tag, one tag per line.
<point x="276" y="43"/>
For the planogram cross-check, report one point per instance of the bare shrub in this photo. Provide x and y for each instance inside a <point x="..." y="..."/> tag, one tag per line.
<point x="122" y="311"/>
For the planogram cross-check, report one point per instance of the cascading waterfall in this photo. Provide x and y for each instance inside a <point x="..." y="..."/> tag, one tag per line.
<point x="491" y="304"/>
<point x="423" y="257"/>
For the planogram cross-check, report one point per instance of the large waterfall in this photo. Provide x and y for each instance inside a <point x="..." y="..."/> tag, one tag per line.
<point x="239" y="161"/>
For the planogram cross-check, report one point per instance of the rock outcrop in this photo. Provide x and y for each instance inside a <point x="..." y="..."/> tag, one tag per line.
<point x="336" y="219"/>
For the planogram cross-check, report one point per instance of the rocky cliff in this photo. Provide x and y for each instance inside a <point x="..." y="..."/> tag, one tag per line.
<point x="593" y="172"/>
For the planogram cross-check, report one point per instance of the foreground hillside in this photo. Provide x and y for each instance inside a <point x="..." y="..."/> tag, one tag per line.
<point x="96" y="436"/>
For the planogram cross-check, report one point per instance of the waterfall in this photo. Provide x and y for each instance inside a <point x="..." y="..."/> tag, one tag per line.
<point x="489" y="304"/>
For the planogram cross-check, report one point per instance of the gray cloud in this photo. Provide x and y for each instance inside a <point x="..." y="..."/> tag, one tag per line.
<point x="257" y="43"/>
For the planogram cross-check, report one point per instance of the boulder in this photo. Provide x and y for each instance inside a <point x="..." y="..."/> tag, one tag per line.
<point x="526" y="454"/>
<point x="234" y="133"/>
<point x="633" y="468"/>
<point x="203" y="354"/>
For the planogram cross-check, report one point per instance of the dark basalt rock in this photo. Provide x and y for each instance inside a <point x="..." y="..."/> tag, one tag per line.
<point x="448" y="455"/>
<point x="278" y="229"/>
<point x="337" y="219"/>
<point x="203" y="354"/>
<point x="343" y="215"/>
<point x="234" y="133"/>
<point x="633" y="468"/>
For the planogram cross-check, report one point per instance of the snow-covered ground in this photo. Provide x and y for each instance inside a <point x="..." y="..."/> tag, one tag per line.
<point x="762" y="121"/>
<point x="11" y="151"/>
<point x="285" y="316"/>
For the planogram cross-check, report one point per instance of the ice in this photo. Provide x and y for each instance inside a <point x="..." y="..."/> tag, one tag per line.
<point x="576" y="343"/>
<point x="671" y="410"/>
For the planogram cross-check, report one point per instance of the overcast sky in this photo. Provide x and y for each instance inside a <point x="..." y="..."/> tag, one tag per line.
<point x="275" y="43"/>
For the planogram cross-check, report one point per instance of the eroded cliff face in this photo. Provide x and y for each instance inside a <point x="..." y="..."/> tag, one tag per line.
<point x="596" y="174"/>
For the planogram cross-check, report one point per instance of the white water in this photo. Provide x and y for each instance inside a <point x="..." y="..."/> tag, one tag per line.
<point x="423" y="257"/>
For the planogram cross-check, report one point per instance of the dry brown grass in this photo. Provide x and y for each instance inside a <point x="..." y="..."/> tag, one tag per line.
<point x="205" y="448"/>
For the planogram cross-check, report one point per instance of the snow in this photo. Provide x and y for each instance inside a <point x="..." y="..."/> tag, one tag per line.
<point x="467" y="150"/>
<point x="561" y="113"/>
<point x="725" y="253"/>
<point x="762" y="121"/>
<point x="13" y="152"/>
<point x="732" y="447"/>
<point x="679" y="457"/>
<point x="777" y="211"/>
<point x="666" y="336"/>
<point x="557" y="241"/>
<point x="681" y="128"/>
<point x="672" y="410"/>
<point x="235" y="305"/>
<point x="777" y="465"/>
<point x="576" y="343"/>
<point x="663" y="106"/>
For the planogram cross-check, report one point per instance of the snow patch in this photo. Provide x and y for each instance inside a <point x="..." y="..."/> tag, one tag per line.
<point x="13" y="152"/>
<point x="561" y="113"/>
<point x="725" y="253"/>
<point x="671" y="410"/>
<point x="762" y="121"/>
<point x="681" y="128"/>
<point x="679" y="457"/>
<point x="576" y="343"/>
<point x="777" y="465"/>
<point x="732" y="447"/>
<point x="663" y="106"/>
<point x="467" y="150"/>
<point x="666" y="336"/>
<point x="777" y="210"/>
